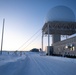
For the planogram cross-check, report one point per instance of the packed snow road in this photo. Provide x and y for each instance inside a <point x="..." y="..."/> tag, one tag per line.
<point x="34" y="64"/>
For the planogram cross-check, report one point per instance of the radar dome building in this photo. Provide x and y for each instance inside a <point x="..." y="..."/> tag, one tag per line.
<point x="60" y="21"/>
<point x="60" y="13"/>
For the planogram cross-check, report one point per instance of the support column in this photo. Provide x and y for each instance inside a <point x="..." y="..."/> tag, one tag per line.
<point x="48" y="41"/>
<point x="48" y="37"/>
<point x="55" y="38"/>
<point x="42" y="40"/>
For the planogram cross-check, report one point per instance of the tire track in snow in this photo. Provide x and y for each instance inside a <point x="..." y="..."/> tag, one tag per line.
<point x="58" y="67"/>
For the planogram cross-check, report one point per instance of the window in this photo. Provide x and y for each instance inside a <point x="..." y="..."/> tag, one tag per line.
<point x="73" y="48"/>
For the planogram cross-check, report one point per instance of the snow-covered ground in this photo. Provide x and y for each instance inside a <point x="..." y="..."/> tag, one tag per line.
<point x="32" y="63"/>
<point x="11" y="57"/>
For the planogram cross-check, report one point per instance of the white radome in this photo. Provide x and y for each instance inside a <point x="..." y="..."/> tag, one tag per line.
<point x="60" y="13"/>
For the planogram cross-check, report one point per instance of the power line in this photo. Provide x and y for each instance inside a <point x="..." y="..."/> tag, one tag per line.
<point x="31" y="41"/>
<point x="28" y="39"/>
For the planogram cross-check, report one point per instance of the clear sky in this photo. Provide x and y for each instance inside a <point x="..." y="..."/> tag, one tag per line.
<point x="23" y="18"/>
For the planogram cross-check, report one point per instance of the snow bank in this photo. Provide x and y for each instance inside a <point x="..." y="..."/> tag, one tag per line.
<point x="5" y="58"/>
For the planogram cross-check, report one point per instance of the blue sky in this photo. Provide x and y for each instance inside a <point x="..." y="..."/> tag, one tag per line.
<point x="23" y="18"/>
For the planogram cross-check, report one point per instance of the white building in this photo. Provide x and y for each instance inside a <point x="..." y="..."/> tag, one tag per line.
<point x="60" y="21"/>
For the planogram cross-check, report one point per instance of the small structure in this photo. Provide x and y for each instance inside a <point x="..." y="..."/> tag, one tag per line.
<point x="34" y="50"/>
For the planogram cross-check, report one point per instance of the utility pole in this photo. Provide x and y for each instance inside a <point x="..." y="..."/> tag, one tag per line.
<point x="2" y="36"/>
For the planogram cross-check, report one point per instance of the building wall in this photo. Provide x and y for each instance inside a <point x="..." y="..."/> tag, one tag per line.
<point x="49" y="50"/>
<point x="65" y="47"/>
